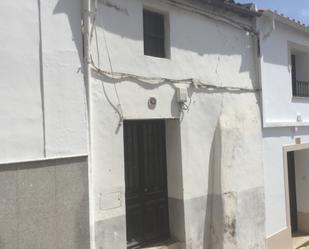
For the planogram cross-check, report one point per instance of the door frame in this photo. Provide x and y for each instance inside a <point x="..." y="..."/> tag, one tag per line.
<point x="166" y="165"/>
<point x="286" y="149"/>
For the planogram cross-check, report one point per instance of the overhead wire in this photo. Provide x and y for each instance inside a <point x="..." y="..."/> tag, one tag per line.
<point x="118" y="108"/>
<point x="160" y="80"/>
<point x="112" y="74"/>
<point x="121" y="76"/>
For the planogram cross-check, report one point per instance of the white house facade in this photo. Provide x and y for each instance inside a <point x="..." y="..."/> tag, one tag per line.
<point x="284" y="47"/>
<point x="126" y="124"/>
<point x="200" y="86"/>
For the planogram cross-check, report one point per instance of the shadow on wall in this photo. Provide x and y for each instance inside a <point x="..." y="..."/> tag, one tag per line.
<point x="220" y="221"/>
<point x="73" y="10"/>
<point x="218" y="39"/>
<point x="213" y="230"/>
<point x="274" y="46"/>
<point x="285" y="132"/>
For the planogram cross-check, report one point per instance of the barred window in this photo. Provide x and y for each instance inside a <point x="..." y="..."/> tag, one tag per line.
<point x="300" y="82"/>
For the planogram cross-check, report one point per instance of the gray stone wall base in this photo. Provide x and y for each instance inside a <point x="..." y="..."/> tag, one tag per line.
<point x="177" y="219"/>
<point x="217" y="221"/>
<point x="44" y="205"/>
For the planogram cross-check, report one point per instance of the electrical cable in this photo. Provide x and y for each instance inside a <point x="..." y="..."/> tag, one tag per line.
<point x="118" y="108"/>
<point x="158" y="80"/>
<point x="112" y="74"/>
<point x="120" y="76"/>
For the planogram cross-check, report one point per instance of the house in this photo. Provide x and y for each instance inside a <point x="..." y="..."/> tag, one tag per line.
<point x="284" y="51"/>
<point x="181" y="75"/>
<point x="127" y="123"/>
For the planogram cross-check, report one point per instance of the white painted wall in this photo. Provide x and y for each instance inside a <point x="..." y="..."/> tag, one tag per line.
<point x="274" y="175"/>
<point x="274" y="140"/>
<point x="21" y="128"/>
<point x="42" y="91"/>
<point x="201" y="48"/>
<point x="222" y="55"/>
<point x="279" y="107"/>
<point x="302" y="180"/>
<point x="280" y="110"/>
<point x="64" y="91"/>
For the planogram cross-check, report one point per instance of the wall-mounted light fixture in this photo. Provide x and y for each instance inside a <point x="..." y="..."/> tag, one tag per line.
<point x="152" y="103"/>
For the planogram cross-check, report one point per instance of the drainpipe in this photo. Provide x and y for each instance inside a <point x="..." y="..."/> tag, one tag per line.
<point x="86" y="49"/>
<point x="271" y="23"/>
<point x="86" y="27"/>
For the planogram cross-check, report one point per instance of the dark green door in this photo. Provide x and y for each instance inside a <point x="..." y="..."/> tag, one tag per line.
<point x="146" y="182"/>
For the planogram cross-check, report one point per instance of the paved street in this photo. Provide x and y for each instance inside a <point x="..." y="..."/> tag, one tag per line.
<point x="301" y="241"/>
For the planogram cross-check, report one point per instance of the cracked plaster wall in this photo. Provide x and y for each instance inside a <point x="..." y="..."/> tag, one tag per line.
<point x="219" y="191"/>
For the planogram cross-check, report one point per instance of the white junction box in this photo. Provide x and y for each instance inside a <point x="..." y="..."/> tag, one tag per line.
<point x="182" y="94"/>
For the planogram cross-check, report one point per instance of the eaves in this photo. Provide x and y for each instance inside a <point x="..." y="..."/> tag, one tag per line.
<point x="286" y="20"/>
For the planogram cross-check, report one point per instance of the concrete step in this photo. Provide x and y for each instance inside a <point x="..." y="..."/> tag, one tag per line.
<point x="167" y="246"/>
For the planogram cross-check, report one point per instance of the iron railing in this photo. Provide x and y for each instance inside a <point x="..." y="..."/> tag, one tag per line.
<point x="300" y="88"/>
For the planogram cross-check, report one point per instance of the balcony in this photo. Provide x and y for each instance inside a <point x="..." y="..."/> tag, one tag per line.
<point x="300" y="88"/>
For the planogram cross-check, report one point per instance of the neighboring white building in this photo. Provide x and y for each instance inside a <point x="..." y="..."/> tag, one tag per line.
<point x="284" y="50"/>
<point x="43" y="126"/>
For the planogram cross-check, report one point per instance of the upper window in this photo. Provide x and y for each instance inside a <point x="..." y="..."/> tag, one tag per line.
<point x="154" y="34"/>
<point x="299" y="73"/>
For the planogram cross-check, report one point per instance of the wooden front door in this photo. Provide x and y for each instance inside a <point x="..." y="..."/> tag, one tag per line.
<point x="292" y="191"/>
<point x="146" y="182"/>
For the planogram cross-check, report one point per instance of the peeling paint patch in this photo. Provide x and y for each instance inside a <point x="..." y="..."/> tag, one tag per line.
<point x="115" y="7"/>
<point x="230" y="207"/>
<point x="230" y="225"/>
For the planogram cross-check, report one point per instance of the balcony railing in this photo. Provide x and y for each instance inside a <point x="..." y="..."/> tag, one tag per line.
<point x="300" y="88"/>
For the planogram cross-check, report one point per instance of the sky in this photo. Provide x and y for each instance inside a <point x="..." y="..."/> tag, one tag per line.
<point x="296" y="9"/>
